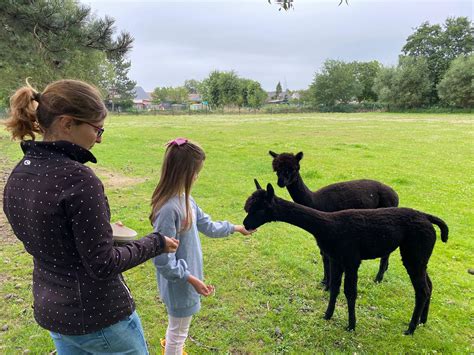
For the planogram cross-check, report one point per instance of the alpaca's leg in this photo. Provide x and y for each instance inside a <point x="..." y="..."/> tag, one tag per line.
<point x="326" y="281"/>
<point x="424" y="314"/>
<point x="336" y="275"/>
<point x="350" y="290"/>
<point x="382" y="268"/>
<point x="418" y="279"/>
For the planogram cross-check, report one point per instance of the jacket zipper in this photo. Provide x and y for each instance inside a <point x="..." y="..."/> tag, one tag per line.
<point x="80" y="302"/>
<point x="127" y="289"/>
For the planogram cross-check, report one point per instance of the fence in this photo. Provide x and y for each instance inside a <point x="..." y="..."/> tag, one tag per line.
<point x="268" y="109"/>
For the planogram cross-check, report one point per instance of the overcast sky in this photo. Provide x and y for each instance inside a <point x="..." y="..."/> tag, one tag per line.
<point x="179" y="40"/>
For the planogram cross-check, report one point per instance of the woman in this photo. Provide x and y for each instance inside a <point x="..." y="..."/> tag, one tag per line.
<point x="58" y="209"/>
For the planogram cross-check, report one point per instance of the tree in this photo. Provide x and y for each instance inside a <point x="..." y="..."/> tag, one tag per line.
<point x="49" y="40"/>
<point x="440" y="45"/>
<point x="192" y="85"/>
<point x="222" y="89"/>
<point x="242" y="98"/>
<point x="284" y="4"/>
<point x="230" y="88"/>
<point x="227" y="89"/>
<point x="383" y="85"/>
<point x="412" y="83"/>
<point x="256" y="96"/>
<point x="334" y="84"/>
<point x="160" y="95"/>
<point x="406" y="86"/>
<point x="278" y="90"/>
<point x="365" y="74"/>
<point x="121" y="89"/>
<point x="177" y="95"/>
<point x="457" y="86"/>
<point x="288" y="4"/>
<point x="211" y="90"/>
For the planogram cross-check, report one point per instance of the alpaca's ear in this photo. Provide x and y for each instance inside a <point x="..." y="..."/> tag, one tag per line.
<point x="273" y="154"/>
<point x="299" y="156"/>
<point x="257" y="185"/>
<point x="270" y="192"/>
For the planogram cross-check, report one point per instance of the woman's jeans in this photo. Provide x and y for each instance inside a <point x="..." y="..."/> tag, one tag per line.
<point x="124" y="337"/>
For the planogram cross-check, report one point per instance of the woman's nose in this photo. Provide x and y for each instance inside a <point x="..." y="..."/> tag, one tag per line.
<point x="98" y="139"/>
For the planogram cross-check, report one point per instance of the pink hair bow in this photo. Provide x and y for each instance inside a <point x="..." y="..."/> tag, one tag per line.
<point x="177" y="141"/>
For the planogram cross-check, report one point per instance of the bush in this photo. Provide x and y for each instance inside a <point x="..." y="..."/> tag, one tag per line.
<point x="456" y="87"/>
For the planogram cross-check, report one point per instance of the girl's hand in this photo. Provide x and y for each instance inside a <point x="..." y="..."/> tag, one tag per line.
<point x="171" y="245"/>
<point x="241" y="229"/>
<point x="201" y="287"/>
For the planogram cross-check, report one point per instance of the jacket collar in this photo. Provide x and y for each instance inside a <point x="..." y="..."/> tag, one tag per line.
<point x="61" y="148"/>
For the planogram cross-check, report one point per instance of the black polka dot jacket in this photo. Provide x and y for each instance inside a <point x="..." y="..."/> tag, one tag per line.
<point x="57" y="207"/>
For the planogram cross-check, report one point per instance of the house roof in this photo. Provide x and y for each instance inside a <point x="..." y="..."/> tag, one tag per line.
<point x="141" y="94"/>
<point x="282" y="96"/>
<point x="194" y="97"/>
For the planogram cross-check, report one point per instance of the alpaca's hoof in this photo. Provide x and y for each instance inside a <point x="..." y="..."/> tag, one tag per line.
<point x="378" y="279"/>
<point x="327" y="316"/>
<point x="409" y="331"/>
<point x="350" y="328"/>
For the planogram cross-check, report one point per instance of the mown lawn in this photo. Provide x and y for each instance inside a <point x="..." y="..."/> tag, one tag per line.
<point x="268" y="298"/>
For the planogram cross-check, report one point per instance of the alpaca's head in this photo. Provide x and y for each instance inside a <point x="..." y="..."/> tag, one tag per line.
<point x="286" y="166"/>
<point x="259" y="207"/>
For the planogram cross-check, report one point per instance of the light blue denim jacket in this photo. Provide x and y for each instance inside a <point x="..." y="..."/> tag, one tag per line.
<point x="173" y="269"/>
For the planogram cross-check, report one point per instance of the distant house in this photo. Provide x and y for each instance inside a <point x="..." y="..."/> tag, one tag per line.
<point x="282" y="98"/>
<point x="195" y="98"/>
<point x="296" y="96"/>
<point x="196" y="103"/>
<point x="142" y="99"/>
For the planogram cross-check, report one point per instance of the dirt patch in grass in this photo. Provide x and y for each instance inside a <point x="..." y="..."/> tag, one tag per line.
<point x="3" y="278"/>
<point x="6" y="233"/>
<point x="114" y="180"/>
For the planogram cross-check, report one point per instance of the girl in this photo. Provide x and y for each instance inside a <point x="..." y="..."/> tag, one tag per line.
<point x="176" y="214"/>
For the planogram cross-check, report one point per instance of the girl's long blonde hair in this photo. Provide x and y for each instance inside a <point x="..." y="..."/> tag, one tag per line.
<point x="180" y="167"/>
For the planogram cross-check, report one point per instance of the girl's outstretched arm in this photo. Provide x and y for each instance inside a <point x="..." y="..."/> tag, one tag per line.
<point x="241" y="229"/>
<point x="210" y="228"/>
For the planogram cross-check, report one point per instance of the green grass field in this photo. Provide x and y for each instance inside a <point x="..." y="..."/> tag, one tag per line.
<point x="268" y="298"/>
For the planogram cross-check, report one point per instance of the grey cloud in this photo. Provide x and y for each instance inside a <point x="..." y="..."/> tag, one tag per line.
<point x="175" y="41"/>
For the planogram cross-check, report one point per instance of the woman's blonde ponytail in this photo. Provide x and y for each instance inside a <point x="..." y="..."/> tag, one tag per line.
<point x="23" y="121"/>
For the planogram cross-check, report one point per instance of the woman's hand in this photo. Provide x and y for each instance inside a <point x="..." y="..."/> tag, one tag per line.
<point x="201" y="287"/>
<point x="171" y="245"/>
<point x="241" y="229"/>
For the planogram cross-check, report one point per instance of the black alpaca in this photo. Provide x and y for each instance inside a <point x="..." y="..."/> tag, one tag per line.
<point x="350" y="236"/>
<point x="359" y="194"/>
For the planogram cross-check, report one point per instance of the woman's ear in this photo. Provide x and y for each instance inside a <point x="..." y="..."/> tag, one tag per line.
<point x="64" y="123"/>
